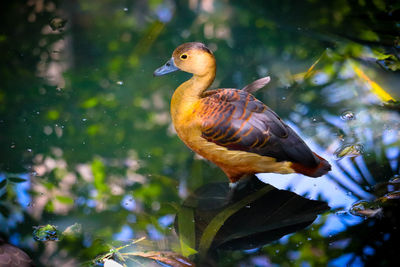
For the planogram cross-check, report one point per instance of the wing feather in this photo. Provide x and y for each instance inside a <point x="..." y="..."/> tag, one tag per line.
<point x="238" y="121"/>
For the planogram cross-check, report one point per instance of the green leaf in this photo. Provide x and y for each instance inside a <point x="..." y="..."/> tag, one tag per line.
<point x="16" y="180"/>
<point x="65" y="200"/>
<point x="186" y="228"/>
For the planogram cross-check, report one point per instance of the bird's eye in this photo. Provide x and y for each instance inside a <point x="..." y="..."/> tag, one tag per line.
<point x="184" y="56"/>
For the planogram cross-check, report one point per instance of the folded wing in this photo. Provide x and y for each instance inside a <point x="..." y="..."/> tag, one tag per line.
<point x="238" y="121"/>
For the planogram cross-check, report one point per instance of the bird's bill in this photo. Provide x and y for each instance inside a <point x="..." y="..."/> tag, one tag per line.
<point x="166" y="68"/>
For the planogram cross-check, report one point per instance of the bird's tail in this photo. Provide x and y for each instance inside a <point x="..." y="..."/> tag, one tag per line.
<point x="322" y="168"/>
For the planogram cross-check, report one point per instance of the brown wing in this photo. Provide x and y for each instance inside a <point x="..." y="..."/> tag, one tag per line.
<point x="238" y="121"/>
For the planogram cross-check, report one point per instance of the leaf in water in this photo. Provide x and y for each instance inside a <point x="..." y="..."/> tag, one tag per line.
<point x="366" y="209"/>
<point x="46" y="233"/>
<point x="216" y="223"/>
<point x="3" y="183"/>
<point x="187" y="228"/>
<point x="222" y="216"/>
<point x="16" y="180"/>
<point x="349" y="150"/>
<point x="374" y="87"/>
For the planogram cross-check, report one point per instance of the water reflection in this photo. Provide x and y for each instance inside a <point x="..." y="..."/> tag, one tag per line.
<point x="246" y="217"/>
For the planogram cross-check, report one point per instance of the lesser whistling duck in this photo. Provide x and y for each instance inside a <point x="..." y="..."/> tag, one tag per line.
<point x="231" y="127"/>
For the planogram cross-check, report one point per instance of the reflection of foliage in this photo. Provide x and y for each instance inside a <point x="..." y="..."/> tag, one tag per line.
<point x="80" y="115"/>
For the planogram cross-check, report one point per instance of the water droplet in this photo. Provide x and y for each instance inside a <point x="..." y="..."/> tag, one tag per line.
<point x="309" y="239"/>
<point x="125" y="9"/>
<point x="348" y="116"/>
<point x="349" y="150"/>
<point x="57" y="23"/>
<point x="248" y="206"/>
<point x="277" y="251"/>
<point x="12" y="146"/>
<point x="283" y="98"/>
<point x="29" y="150"/>
<point x="120" y="82"/>
<point x="84" y="119"/>
<point x="314" y="120"/>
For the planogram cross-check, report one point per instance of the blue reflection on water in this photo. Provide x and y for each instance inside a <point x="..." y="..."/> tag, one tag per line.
<point x="125" y="234"/>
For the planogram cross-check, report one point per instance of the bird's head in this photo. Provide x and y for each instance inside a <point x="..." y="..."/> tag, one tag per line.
<point x="191" y="57"/>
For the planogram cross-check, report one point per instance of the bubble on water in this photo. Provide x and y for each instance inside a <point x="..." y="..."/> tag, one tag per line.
<point x="349" y="150"/>
<point x="283" y="98"/>
<point x="348" y="116"/>
<point x="120" y="82"/>
<point x="57" y="23"/>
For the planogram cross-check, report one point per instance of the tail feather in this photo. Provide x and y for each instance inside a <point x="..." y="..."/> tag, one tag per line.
<point x="322" y="168"/>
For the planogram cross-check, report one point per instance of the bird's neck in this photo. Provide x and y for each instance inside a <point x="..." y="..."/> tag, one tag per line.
<point x="186" y="96"/>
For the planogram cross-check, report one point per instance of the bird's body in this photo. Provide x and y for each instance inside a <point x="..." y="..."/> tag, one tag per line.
<point x="230" y="127"/>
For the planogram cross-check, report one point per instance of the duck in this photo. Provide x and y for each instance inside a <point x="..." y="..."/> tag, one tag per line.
<point x="230" y="127"/>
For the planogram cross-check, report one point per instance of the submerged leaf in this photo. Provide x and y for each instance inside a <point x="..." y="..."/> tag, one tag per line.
<point x="366" y="209"/>
<point x="187" y="230"/>
<point x="46" y="233"/>
<point x="349" y="150"/>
